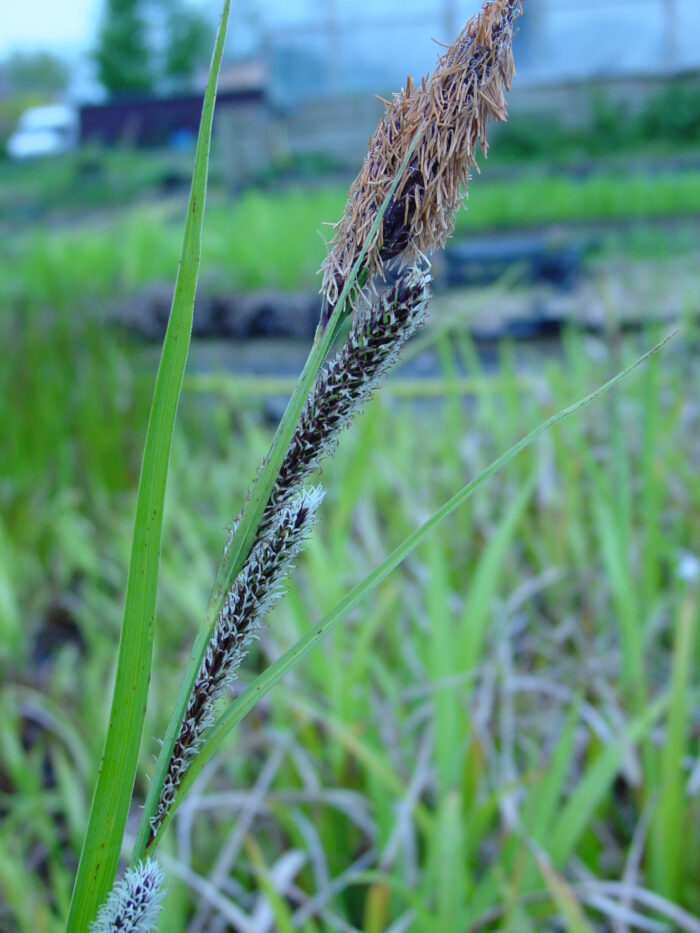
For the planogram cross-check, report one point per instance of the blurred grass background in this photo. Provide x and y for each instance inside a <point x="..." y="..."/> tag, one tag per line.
<point x="507" y="736"/>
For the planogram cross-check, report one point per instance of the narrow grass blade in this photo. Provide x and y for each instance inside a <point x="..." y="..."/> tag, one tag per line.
<point x="252" y="513"/>
<point x="24" y="906"/>
<point x="479" y="600"/>
<point x="669" y="841"/>
<point x="443" y="664"/>
<point x="377" y="902"/>
<point x="543" y="800"/>
<point x="269" y="678"/>
<point x="541" y="811"/>
<point x="575" y="817"/>
<point x="115" y="780"/>
<point x="571" y="911"/>
<point x="448" y="851"/>
<point x="611" y="536"/>
<point x="366" y="756"/>
<point x="283" y="922"/>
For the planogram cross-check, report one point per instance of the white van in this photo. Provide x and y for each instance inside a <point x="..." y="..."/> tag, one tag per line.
<point x="44" y="131"/>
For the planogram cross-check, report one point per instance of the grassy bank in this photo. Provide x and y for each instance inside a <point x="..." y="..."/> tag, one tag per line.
<point x="268" y="239"/>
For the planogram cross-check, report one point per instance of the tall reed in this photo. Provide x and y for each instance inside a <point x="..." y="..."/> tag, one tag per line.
<point x="449" y="115"/>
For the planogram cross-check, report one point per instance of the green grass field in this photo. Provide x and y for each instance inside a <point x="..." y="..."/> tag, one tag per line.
<point x="505" y="736"/>
<point x="271" y="239"/>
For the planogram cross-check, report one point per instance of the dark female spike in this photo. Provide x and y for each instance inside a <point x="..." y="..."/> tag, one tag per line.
<point x="249" y="600"/>
<point x="378" y="333"/>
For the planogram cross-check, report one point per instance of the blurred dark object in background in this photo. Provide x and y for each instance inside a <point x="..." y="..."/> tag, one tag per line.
<point x="154" y="121"/>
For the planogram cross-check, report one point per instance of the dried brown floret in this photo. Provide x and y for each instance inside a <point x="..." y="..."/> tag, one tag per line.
<point x="451" y="108"/>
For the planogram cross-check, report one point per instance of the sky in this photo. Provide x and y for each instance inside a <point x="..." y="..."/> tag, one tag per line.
<point x="59" y="25"/>
<point x="576" y="36"/>
<point x="69" y="26"/>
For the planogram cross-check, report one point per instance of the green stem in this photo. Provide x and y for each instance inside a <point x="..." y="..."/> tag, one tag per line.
<point x="252" y="513"/>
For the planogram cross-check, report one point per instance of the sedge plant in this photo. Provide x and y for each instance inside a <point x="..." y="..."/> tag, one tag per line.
<point x="401" y="206"/>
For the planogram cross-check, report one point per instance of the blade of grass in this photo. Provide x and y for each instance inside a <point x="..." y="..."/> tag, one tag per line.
<point x="576" y="815"/>
<point x="540" y="813"/>
<point x="487" y="575"/>
<point x="25" y="905"/>
<point x="652" y="489"/>
<point x="447" y="849"/>
<point x="376" y="917"/>
<point x="448" y="750"/>
<point x="613" y="552"/>
<point x="283" y="922"/>
<point x="267" y="680"/>
<point x="571" y="911"/>
<point x="544" y="798"/>
<point x="115" y="779"/>
<point x="252" y="513"/>
<point x="668" y="841"/>
<point x="366" y="756"/>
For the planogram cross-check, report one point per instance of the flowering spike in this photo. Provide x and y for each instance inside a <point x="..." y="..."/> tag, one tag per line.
<point x="378" y="333"/>
<point x="133" y="903"/>
<point x="255" y="588"/>
<point x="452" y="109"/>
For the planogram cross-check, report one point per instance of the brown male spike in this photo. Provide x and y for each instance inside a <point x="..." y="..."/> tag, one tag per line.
<point x="451" y="108"/>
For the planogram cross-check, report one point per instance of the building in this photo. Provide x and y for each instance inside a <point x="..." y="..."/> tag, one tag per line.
<point x="329" y="47"/>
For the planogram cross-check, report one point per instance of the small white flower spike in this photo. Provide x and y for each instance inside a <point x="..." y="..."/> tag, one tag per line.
<point x="133" y="903"/>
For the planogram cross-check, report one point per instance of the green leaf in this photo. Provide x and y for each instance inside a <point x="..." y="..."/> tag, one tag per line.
<point x="613" y="550"/>
<point x="291" y="658"/>
<point x="448" y="750"/>
<point x="115" y="780"/>
<point x="282" y="914"/>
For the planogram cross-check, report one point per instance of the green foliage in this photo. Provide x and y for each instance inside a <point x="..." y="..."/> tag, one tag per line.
<point x="91" y="179"/>
<point x="481" y="736"/>
<point x="270" y="239"/>
<point x="123" y="50"/>
<point x="668" y="120"/>
<point x="674" y="114"/>
<point x="361" y="709"/>
<point x="188" y="37"/>
<point x="35" y="73"/>
<point x="129" y="59"/>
